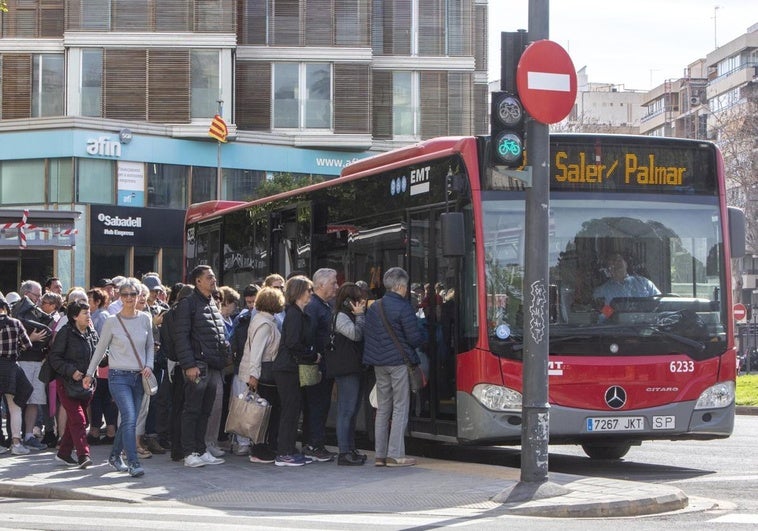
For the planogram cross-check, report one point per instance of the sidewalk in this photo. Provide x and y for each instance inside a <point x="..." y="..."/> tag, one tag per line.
<point x="431" y="486"/>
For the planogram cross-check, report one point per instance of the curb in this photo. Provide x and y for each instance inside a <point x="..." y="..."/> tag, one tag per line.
<point x="746" y="410"/>
<point x="674" y="501"/>
<point x="15" y="490"/>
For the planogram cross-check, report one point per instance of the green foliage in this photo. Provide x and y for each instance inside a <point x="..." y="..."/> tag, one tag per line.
<point x="3" y="6"/>
<point x="747" y="390"/>
<point x="283" y="182"/>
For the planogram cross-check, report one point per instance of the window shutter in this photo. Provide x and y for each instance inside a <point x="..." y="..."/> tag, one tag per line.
<point x="285" y="23"/>
<point x="459" y="118"/>
<point x="131" y="16"/>
<point x="351" y="101"/>
<point x="431" y="28"/>
<point x="253" y="88"/>
<point x="381" y="95"/>
<point x="51" y="18"/>
<point x="17" y="86"/>
<point x="481" y="109"/>
<point x="352" y="27"/>
<point x="168" y="86"/>
<point x="319" y="23"/>
<point x="172" y="15"/>
<point x="434" y="107"/>
<point x="251" y="27"/>
<point x="125" y="84"/>
<point x="480" y="38"/>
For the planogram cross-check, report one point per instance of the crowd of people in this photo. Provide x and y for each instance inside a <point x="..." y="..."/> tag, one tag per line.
<point x="72" y="367"/>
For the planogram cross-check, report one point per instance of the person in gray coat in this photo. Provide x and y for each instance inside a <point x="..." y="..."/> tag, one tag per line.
<point x="381" y="351"/>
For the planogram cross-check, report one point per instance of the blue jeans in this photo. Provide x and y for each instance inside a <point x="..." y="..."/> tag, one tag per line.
<point x="348" y="394"/>
<point x="126" y="390"/>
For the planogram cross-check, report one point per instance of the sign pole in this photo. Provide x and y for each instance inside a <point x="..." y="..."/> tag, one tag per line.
<point x="219" y="173"/>
<point x="535" y="427"/>
<point x="535" y="417"/>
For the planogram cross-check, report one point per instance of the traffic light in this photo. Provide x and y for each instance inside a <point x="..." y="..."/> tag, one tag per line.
<point x="507" y="130"/>
<point x="507" y="116"/>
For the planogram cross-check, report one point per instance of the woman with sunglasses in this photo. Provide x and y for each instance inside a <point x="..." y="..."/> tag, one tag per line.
<point x="128" y="338"/>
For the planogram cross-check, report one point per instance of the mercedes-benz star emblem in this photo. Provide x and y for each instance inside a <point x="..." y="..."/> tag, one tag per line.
<point x="615" y="397"/>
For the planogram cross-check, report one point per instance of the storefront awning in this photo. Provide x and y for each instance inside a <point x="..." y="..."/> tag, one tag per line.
<point x="48" y="229"/>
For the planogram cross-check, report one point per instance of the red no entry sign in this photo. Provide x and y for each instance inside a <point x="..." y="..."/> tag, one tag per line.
<point x="546" y="81"/>
<point x="739" y="311"/>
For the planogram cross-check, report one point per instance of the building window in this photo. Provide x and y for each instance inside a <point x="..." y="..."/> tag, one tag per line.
<point x="92" y="82"/>
<point x="203" y="184"/>
<point x="205" y="83"/>
<point x="166" y="185"/>
<point x="404" y="104"/>
<point x="47" y="85"/>
<point x="241" y="185"/>
<point x="61" y="178"/>
<point x="302" y="96"/>
<point x="95" y="181"/>
<point x="22" y="181"/>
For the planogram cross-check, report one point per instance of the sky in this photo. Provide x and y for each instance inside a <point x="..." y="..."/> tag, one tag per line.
<point x="635" y="43"/>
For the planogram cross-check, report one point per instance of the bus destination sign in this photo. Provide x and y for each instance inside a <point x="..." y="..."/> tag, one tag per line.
<point x="633" y="168"/>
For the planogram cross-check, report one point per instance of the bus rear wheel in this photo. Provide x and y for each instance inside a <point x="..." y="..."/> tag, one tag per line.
<point x="606" y="451"/>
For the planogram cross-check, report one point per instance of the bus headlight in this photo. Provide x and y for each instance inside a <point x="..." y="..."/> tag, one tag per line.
<point x="716" y="396"/>
<point x="497" y="398"/>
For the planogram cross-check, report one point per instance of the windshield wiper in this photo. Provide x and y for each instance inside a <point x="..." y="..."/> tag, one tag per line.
<point x="699" y="346"/>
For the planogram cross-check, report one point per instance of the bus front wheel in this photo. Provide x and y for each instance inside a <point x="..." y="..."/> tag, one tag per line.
<point x="606" y="451"/>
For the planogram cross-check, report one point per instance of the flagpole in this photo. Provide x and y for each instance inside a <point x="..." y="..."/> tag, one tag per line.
<point x="219" y="177"/>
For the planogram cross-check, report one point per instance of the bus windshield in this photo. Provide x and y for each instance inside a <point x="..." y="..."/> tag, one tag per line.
<point x="632" y="275"/>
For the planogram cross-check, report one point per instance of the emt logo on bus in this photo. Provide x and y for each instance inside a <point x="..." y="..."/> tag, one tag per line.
<point x="632" y="169"/>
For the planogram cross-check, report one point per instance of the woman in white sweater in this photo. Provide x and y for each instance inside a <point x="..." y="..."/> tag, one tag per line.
<point x="128" y="338"/>
<point x="261" y="347"/>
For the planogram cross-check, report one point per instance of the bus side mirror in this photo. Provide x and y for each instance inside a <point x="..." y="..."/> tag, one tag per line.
<point x="453" y="242"/>
<point x="736" y="232"/>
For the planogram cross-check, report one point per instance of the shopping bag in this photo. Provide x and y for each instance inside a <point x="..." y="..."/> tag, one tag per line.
<point x="308" y="374"/>
<point x="248" y="416"/>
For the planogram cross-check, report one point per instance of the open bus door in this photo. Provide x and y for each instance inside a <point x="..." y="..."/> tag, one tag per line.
<point x="433" y="288"/>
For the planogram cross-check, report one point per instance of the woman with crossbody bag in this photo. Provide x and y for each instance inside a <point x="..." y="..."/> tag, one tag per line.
<point x="127" y="365"/>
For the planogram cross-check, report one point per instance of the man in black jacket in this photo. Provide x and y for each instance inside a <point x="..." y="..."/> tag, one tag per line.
<point x="200" y="346"/>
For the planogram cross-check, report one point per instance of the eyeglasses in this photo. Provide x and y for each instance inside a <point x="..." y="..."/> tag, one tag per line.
<point x="128" y="294"/>
<point x="278" y="287"/>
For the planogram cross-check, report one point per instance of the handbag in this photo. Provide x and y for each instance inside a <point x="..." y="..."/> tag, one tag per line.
<point x="309" y="374"/>
<point x="76" y="390"/>
<point x="248" y="416"/>
<point x="342" y="355"/>
<point x="46" y="372"/>
<point x="149" y="382"/>
<point x="416" y="377"/>
<point x="267" y="373"/>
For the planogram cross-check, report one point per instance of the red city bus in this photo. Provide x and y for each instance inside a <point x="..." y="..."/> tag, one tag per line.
<point x="624" y="366"/>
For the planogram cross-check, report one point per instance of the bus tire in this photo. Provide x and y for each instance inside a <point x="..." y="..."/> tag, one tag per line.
<point x="606" y="451"/>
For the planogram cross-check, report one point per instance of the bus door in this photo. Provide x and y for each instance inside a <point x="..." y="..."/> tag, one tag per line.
<point x="432" y="292"/>
<point x="291" y="240"/>
<point x="208" y="248"/>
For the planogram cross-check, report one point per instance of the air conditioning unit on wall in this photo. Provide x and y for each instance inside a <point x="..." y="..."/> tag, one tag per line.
<point x="694" y="100"/>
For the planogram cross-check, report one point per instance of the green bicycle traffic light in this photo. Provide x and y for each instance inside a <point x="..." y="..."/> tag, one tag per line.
<point x="507" y="130"/>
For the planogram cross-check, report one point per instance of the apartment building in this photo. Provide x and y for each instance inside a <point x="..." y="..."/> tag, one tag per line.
<point x="105" y="107"/>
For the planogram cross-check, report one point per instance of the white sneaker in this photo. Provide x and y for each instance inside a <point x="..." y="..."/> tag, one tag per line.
<point x="242" y="449"/>
<point x="19" y="449"/>
<point x="208" y="459"/>
<point x="4" y="449"/>
<point x="214" y="450"/>
<point x="194" y="460"/>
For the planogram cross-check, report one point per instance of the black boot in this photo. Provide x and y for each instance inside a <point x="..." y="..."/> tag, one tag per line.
<point x="349" y="459"/>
